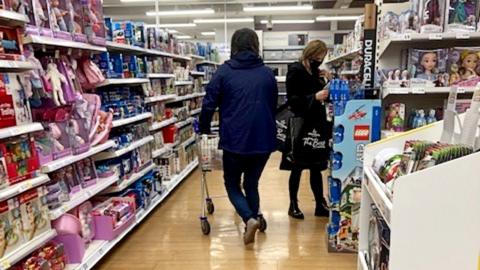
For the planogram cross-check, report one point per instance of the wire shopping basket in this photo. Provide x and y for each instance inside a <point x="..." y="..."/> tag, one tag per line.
<point x="210" y="157"/>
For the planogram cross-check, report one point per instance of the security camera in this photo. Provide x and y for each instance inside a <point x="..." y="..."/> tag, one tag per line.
<point x="269" y="26"/>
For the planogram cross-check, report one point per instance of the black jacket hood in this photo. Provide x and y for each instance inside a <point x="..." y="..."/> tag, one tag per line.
<point x="245" y="60"/>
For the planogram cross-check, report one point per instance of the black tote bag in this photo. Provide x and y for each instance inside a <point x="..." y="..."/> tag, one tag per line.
<point x="282" y="119"/>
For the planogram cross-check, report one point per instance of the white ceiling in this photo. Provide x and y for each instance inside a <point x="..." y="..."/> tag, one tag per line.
<point x="136" y="12"/>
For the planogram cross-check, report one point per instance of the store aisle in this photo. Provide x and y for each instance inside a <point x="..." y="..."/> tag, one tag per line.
<point x="171" y="238"/>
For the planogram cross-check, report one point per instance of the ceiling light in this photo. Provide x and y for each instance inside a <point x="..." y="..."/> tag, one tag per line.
<point x="184" y="37"/>
<point x="208" y="33"/>
<point x="228" y="20"/>
<point x="277" y="8"/>
<point x="172" y="25"/>
<point x="288" y="21"/>
<point x="336" y="18"/>
<point x="181" y="12"/>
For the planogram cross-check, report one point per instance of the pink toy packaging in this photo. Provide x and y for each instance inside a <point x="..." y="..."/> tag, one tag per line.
<point x="94" y="22"/>
<point x="44" y="145"/>
<point x="41" y="17"/>
<point x="86" y="172"/>
<point x="432" y="15"/>
<point x="60" y="19"/>
<point x="428" y="68"/>
<point x="76" y="26"/>
<point x="113" y="216"/>
<point x="464" y="66"/>
<point x="461" y="15"/>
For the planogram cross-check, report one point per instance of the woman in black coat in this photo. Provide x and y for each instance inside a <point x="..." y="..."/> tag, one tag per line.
<point x="306" y="94"/>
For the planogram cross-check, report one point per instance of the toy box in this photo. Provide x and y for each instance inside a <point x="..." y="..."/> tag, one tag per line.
<point x="69" y="176"/>
<point x="108" y="29"/>
<point x="432" y="14"/>
<point x="112" y="217"/>
<point x="10" y="227"/>
<point x="428" y="68"/>
<point x="57" y="192"/>
<point x="86" y="173"/>
<point x="395" y="118"/>
<point x="129" y="32"/>
<point x="118" y="32"/>
<point x="130" y="66"/>
<point x="461" y="15"/>
<point x="38" y="12"/>
<point x="358" y="125"/>
<point x="60" y="19"/>
<point x="139" y="38"/>
<point x="409" y="21"/>
<point x="18" y="159"/>
<point x="34" y="212"/>
<point x="11" y="47"/>
<point x="464" y="66"/>
<point x="94" y="22"/>
<point x="77" y="26"/>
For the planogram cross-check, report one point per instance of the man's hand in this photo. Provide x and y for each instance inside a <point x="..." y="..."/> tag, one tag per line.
<point x="322" y="95"/>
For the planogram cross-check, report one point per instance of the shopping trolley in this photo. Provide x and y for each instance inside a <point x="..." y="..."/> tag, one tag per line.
<point x="210" y="158"/>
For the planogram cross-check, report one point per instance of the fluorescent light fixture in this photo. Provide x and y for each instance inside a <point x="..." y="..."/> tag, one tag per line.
<point x="277" y="8"/>
<point x="229" y="20"/>
<point x="181" y="12"/>
<point x="208" y="33"/>
<point x="288" y="21"/>
<point x="172" y="25"/>
<point x="184" y="37"/>
<point x="336" y="18"/>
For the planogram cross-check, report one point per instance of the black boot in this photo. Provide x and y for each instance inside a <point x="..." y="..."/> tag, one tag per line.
<point x="321" y="209"/>
<point x="294" y="211"/>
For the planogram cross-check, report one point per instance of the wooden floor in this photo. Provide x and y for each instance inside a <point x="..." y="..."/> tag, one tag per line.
<point x="170" y="238"/>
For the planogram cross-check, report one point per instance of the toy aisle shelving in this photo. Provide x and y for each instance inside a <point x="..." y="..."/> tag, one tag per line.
<point x="110" y="148"/>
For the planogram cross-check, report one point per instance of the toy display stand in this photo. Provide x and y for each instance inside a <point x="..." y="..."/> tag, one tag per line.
<point x="433" y="213"/>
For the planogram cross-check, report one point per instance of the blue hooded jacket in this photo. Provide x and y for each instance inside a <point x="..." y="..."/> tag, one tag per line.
<point x="246" y="92"/>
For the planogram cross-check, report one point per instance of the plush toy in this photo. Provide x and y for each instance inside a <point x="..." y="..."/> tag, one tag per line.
<point x="56" y="79"/>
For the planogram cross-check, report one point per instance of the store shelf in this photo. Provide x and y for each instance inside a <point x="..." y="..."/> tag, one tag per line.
<point x="279" y="62"/>
<point x="15" y="66"/>
<point x="180" y="57"/>
<point x="281" y="79"/>
<point x="373" y="186"/>
<point x="362" y="261"/>
<point x="122" y="151"/>
<point x="182" y="83"/>
<point x="345" y="56"/>
<point x="423" y="90"/>
<point x="159" y="98"/>
<point x="124" y="81"/>
<point x="127" y="182"/>
<point x="188" y="141"/>
<point x="160" y="152"/>
<point x="133" y="119"/>
<point x="60" y="163"/>
<point x="184" y="123"/>
<point x="440" y="39"/>
<point x="83" y="195"/>
<point x="198" y="57"/>
<point x="185" y="97"/>
<point x="196" y="111"/>
<point x="350" y="72"/>
<point x="197" y="73"/>
<point x="124" y="48"/>
<point x="26" y="249"/>
<point x="205" y="82"/>
<point x="160" y="75"/>
<point x="207" y="62"/>
<point x="162" y="124"/>
<point x="68" y="44"/>
<point x="23" y="186"/>
<point x="19" y="130"/>
<point x="389" y="133"/>
<point x="98" y="249"/>
<point x="10" y="18"/>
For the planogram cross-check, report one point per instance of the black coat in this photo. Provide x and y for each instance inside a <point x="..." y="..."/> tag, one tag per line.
<point x="301" y="89"/>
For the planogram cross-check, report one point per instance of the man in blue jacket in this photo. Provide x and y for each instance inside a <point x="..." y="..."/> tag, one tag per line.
<point x="245" y="91"/>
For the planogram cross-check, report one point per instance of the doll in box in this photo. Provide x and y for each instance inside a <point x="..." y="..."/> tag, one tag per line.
<point x="464" y="66"/>
<point x="94" y="22"/>
<point x="34" y="213"/>
<point x="469" y="63"/>
<point x="461" y="15"/>
<point x="426" y="66"/>
<point x="432" y="14"/>
<point x="10" y="232"/>
<point x="60" y="13"/>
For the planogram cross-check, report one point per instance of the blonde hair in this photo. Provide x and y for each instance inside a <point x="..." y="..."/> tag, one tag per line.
<point x="313" y="48"/>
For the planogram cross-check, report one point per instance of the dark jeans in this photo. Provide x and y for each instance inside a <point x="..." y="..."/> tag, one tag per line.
<point x="251" y="166"/>
<point x="315" y="184"/>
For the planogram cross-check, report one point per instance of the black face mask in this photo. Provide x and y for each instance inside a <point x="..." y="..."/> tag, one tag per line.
<point x="315" y="64"/>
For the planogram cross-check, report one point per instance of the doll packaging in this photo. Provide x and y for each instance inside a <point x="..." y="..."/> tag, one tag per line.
<point x="461" y="15"/>
<point x="395" y="118"/>
<point x="76" y="26"/>
<point x="38" y="12"/>
<point x="464" y="66"/>
<point x="94" y="22"/>
<point x="60" y="19"/>
<point x="34" y="213"/>
<point x="432" y="14"/>
<point x="428" y="68"/>
<point x="10" y="227"/>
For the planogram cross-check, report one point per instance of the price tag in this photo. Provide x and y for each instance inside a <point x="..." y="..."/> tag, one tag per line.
<point x="461" y="90"/>
<point x="57" y="54"/>
<point x="100" y="251"/>
<point x="26" y="186"/>
<point x="418" y="91"/>
<point x="435" y="36"/>
<point x="463" y="35"/>
<point x="65" y="208"/>
<point x="407" y="36"/>
<point x="69" y="52"/>
<point x="85" y="266"/>
<point x="5" y="264"/>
